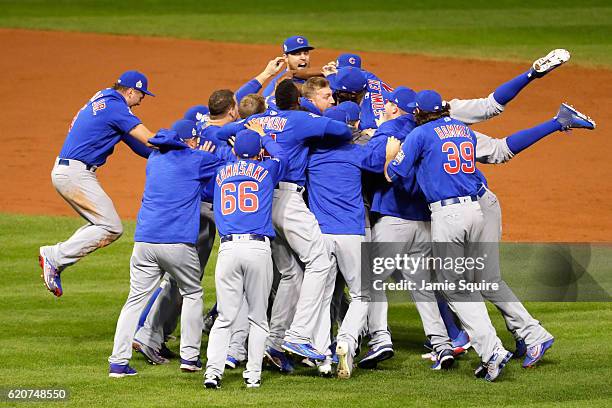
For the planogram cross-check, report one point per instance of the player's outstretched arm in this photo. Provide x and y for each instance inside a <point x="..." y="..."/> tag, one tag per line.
<point x="136" y="146"/>
<point x="142" y="134"/>
<point x="392" y="150"/>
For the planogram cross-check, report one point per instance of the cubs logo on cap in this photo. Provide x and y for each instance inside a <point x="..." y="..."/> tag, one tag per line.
<point x="196" y="113"/>
<point x="136" y="80"/>
<point x="348" y="60"/>
<point x="296" y="43"/>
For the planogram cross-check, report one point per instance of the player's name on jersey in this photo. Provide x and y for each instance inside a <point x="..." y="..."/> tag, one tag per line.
<point x="242" y="168"/>
<point x="448" y="131"/>
<point x="463" y="285"/>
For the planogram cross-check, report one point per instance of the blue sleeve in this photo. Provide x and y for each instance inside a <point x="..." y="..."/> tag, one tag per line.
<point x="136" y="146"/>
<point x="208" y="164"/>
<point x="403" y="163"/>
<point x="278" y="157"/>
<point x="339" y="130"/>
<point x="269" y="90"/>
<point x="121" y="117"/>
<point x="225" y="153"/>
<point x="371" y="157"/>
<point x="310" y="126"/>
<point x="230" y="130"/>
<point x="253" y="86"/>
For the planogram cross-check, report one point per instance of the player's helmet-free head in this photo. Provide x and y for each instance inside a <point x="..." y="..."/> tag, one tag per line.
<point x="429" y="101"/>
<point x="287" y="95"/>
<point x="247" y="144"/>
<point x="404" y="98"/>
<point x="196" y="113"/>
<point x="352" y="110"/>
<point x="348" y="79"/>
<point x="348" y="60"/>
<point x="136" y="80"/>
<point x="295" y="44"/>
<point x="336" y="113"/>
<point x="185" y="129"/>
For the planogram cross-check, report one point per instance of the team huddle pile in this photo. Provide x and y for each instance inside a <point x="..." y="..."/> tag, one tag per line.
<point x="294" y="180"/>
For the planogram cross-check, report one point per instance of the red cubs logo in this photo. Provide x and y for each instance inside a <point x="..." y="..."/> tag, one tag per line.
<point x="352" y="61"/>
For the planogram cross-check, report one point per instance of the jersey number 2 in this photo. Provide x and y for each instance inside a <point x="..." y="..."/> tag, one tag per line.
<point x="247" y="201"/>
<point x="461" y="159"/>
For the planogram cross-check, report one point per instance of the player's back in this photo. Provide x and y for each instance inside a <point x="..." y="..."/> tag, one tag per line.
<point x="373" y="104"/>
<point x="243" y="197"/>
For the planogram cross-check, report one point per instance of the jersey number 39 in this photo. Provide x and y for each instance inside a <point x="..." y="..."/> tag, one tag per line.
<point x="242" y="196"/>
<point x="461" y="158"/>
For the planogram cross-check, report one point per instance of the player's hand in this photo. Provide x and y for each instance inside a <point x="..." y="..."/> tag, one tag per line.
<point x="329" y="69"/>
<point x="274" y="66"/>
<point x="208" y="146"/>
<point x="393" y="147"/>
<point x="255" y="126"/>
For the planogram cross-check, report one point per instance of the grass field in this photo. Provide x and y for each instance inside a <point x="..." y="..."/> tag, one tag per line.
<point x="49" y="342"/>
<point x="508" y="30"/>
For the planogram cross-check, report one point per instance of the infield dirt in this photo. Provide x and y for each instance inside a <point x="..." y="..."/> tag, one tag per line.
<point x="559" y="190"/>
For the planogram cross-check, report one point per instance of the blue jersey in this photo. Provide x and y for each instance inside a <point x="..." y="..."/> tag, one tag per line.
<point x="309" y="106"/>
<point x="244" y="191"/>
<point x="170" y="210"/>
<point x="292" y="129"/>
<point x="334" y="187"/>
<point x="269" y="90"/>
<point x="442" y="153"/>
<point x="98" y="127"/>
<point x="373" y="104"/>
<point x="404" y="198"/>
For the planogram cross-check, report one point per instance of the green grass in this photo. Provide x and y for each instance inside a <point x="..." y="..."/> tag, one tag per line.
<point x="507" y="30"/>
<point x="65" y="342"/>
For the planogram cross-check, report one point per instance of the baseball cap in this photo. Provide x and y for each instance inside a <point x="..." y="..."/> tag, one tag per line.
<point x="136" y="80"/>
<point x="351" y="109"/>
<point x="295" y="43"/>
<point x="196" y="112"/>
<point x="247" y="144"/>
<point x="336" y="113"/>
<point x="429" y="101"/>
<point x="185" y="129"/>
<point x="404" y="98"/>
<point x="348" y="60"/>
<point x="348" y="79"/>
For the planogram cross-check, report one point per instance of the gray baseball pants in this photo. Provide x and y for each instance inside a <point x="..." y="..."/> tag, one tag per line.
<point x="243" y="273"/>
<point x="82" y="190"/>
<point x="148" y="264"/>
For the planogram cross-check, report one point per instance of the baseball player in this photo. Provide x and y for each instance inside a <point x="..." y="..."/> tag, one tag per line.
<point x="429" y="150"/>
<point x="243" y="210"/>
<point x="296" y="53"/>
<point x="175" y="176"/>
<point x="105" y="120"/>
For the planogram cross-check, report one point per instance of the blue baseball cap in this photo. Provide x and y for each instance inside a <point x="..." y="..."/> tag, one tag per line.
<point x="348" y="79"/>
<point x="185" y="129"/>
<point x="404" y="98"/>
<point x="247" y="144"/>
<point x="429" y="101"/>
<point x="196" y="113"/>
<point x="351" y="109"/>
<point x="348" y="60"/>
<point x="296" y="43"/>
<point x="136" y="80"/>
<point x="336" y="113"/>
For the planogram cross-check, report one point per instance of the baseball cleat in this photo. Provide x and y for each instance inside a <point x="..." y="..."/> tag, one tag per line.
<point x="444" y="360"/>
<point x="212" y="381"/>
<point x="520" y="350"/>
<point x="188" y="366"/>
<point x="461" y="343"/>
<point x="166" y="353"/>
<point x="50" y="274"/>
<point x="481" y="370"/>
<point x="325" y="368"/>
<point x="231" y="362"/>
<point x="303" y="349"/>
<point x="552" y="60"/>
<point x="375" y="355"/>
<point x="535" y="353"/>
<point x="209" y="321"/>
<point x="149" y="353"/>
<point x="279" y="359"/>
<point x="569" y="118"/>
<point x="252" y="383"/>
<point x="496" y="363"/>
<point x="120" y="370"/>
<point x="345" y="362"/>
<point x="308" y="363"/>
<point x="429" y="356"/>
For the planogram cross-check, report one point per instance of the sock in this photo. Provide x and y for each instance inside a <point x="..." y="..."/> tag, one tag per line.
<point x="508" y="91"/>
<point x="449" y="319"/>
<point x="524" y="138"/>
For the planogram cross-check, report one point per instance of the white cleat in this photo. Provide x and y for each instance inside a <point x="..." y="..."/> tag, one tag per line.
<point x="552" y="60"/>
<point x="345" y="364"/>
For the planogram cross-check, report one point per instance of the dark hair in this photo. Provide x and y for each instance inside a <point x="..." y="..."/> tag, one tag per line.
<point x="421" y="117"/>
<point x="251" y="105"/>
<point x="120" y="88"/>
<point x="343" y="96"/>
<point x="287" y="95"/>
<point x="220" y="102"/>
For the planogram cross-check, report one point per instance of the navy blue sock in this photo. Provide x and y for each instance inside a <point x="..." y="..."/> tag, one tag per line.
<point x="508" y="91"/>
<point x="524" y="138"/>
<point x="449" y="319"/>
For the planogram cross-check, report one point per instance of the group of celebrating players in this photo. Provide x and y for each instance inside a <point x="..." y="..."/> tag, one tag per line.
<point x="295" y="180"/>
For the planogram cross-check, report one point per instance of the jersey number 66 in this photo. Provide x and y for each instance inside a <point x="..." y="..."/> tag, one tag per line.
<point x="248" y="202"/>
